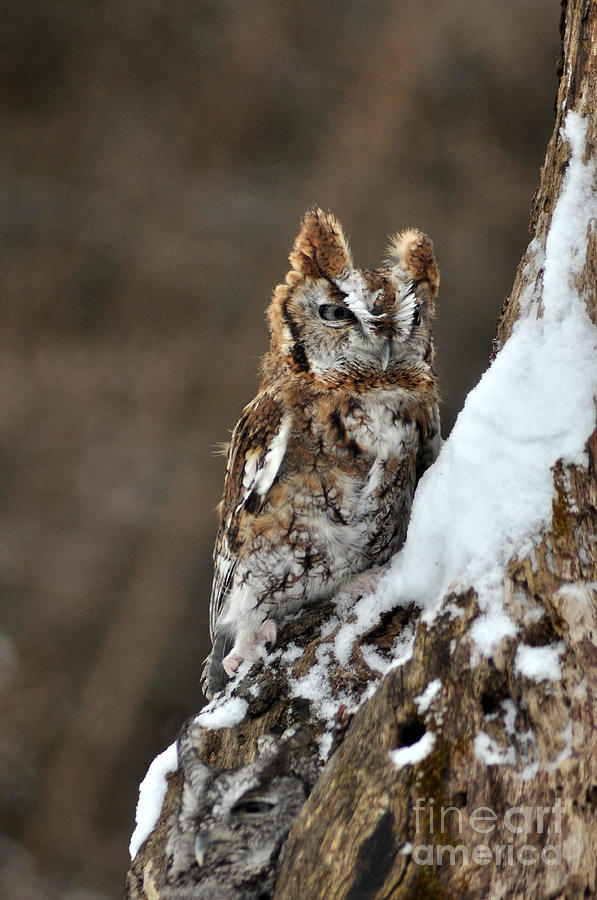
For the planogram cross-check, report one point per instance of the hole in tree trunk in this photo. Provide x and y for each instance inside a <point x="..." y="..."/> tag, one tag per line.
<point x="410" y="732"/>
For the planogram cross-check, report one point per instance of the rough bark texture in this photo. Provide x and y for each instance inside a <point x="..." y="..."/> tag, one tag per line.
<point x="355" y="836"/>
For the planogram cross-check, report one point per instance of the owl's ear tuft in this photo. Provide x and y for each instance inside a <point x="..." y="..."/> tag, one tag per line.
<point x="188" y="749"/>
<point x="411" y="252"/>
<point x="320" y="249"/>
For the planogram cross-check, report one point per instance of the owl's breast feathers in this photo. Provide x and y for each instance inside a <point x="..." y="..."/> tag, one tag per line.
<point x="301" y="455"/>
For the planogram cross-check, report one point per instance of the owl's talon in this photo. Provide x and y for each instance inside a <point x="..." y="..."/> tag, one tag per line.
<point x="244" y="652"/>
<point x="231" y="664"/>
<point x="234" y="659"/>
<point x="248" y="649"/>
<point x="365" y="582"/>
<point x="269" y="632"/>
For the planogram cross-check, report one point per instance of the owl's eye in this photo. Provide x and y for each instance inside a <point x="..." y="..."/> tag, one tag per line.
<point x="335" y="313"/>
<point x="416" y="316"/>
<point x="253" y="806"/>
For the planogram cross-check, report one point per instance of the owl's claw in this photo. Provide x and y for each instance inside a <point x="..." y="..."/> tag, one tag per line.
<point x="365" y="582"/>
<point x="247" y="649"/>
<point x="237" y="656"/>
<point x="269" y="632"/>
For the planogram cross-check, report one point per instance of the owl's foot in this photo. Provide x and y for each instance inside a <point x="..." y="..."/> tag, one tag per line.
<point x="365" y="582"/>
<point x="269" y="632"/>
<point x="246" y="649"/>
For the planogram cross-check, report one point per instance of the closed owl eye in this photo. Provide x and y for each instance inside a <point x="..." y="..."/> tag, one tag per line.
<point x="335" y="314"/>
<point x="253" y="806"/>
<point x="417" y="316"/>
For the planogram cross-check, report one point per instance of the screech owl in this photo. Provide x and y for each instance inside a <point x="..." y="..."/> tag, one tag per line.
<point x="225" y="840"/>
<point x="323" y="463"/>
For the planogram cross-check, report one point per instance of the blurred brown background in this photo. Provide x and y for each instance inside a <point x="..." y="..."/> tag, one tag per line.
<point x="155" y="160"/>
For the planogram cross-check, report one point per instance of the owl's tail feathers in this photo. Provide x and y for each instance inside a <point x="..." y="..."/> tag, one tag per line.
<point x="214" y="678"/>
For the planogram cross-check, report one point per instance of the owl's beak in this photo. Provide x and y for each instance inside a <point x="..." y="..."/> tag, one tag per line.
<point x="386" y="354"/>
<point x="200" y="847"/>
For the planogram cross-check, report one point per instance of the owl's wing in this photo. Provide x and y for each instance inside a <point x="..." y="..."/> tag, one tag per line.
<point x="430" y="447"/>
<point x="256" y="452"/>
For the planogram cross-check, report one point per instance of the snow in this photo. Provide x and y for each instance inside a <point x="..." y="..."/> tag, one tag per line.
<point x="540" y="663"/>
<point x="490" y="752"/>
<point x="402" y="649"/>
<point x="374" y="659"/>
<point x="223" y="714"/>
<point x="414" y="753"/>
<point x="425" y="699"/>
<point x="567" y="238"/>
<point x="315" y="684"/>
<point x="489" y="630"/>
<point x="315" y="687"/>
<point x="291" y="654"/>
<point x="152" y="791"/>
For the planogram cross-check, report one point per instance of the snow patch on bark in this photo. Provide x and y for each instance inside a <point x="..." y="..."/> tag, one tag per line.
<point x="489" y="751"/>
<point x="540" y="663"/>
<point x="424" y="700"/>
<point x="414" y="753"/>
<point x="152" y="791"/>
<point x="226" y="714"/>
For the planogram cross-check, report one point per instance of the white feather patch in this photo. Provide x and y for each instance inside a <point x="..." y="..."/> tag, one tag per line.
<point x="251" y="463"/>
<point x="260" y="472"/>
<point x="407" y="302"/>
<point x="359" y="299"/>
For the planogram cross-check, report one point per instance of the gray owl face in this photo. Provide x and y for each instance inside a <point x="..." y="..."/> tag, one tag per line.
<point x="332" y="317"/>
<point x="369" y="321"/>
<point x="226" y="837"/>
<point x="247" y="825"/>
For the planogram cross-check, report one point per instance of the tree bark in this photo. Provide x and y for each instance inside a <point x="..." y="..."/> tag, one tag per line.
<point x="520" y="819"/>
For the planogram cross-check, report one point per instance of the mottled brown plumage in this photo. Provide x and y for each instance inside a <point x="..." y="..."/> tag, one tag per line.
<point x="323" y="463"/>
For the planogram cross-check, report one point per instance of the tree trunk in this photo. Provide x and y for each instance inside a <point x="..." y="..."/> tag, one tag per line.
<point x="470" y="772"/>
